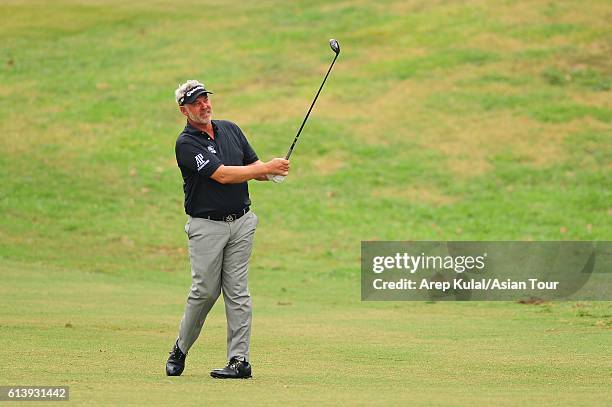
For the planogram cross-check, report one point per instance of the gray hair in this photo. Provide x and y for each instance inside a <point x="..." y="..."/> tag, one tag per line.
<point x="179" y="93"/>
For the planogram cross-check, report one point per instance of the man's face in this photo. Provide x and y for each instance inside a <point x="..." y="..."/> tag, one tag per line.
<point x="200" y="111"/>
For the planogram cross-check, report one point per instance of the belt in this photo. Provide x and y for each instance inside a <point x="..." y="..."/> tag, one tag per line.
<point x="229" y="217"/>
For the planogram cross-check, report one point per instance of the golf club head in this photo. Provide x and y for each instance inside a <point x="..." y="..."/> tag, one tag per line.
<point x="335" y="46"/>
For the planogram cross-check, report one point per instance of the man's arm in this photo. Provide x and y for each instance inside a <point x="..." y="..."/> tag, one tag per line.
<point x="262" y="178"/>
<point x="230" y="174"/>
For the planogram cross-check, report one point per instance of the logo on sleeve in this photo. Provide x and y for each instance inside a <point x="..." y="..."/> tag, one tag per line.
<point x="200" y="163"/>
<point x="212" y="149"/>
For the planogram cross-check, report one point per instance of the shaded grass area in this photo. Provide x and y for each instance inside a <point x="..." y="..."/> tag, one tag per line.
<point x="108" y="155"/>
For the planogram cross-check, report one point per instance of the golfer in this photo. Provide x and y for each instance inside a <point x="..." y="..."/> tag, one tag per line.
<point x="216" y="161"/>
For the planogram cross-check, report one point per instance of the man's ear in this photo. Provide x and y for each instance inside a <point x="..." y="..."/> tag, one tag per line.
<point x="183" y="110"/>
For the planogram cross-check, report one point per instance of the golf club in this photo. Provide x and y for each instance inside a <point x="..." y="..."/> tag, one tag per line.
<point x="335" y="46"/>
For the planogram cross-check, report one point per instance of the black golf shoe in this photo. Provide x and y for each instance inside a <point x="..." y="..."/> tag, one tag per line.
<point x="176" y="362"/>
<point x="235" y="369"/>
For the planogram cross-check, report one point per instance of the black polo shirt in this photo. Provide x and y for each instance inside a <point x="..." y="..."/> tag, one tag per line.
<point x="198" y="156"/>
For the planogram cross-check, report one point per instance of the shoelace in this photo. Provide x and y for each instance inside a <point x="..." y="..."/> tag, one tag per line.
<point x="177" y="353"/>
<point x="235" y="364"/>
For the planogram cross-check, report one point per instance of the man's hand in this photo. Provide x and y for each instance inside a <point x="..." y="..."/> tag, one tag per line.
<point x="265" y="176"/>
<point x="228" y="174"/>
<point x="278" y="166"/>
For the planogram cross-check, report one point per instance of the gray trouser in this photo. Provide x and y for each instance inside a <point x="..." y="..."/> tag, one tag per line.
<point x="219" y="253"/>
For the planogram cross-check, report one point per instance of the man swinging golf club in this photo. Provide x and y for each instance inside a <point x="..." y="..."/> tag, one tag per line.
<point x="216" y="161"/>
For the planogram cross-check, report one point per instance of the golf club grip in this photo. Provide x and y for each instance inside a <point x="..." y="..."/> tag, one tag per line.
<point x="309" y="110"/>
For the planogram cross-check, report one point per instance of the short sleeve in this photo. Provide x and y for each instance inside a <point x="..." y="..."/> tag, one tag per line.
<point x="249" y="154"/>
<point x="196" y="159"/>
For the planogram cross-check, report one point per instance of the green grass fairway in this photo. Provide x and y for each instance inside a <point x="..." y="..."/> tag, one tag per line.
<point x="442" y="120"/>
<point x="108" y="336"/>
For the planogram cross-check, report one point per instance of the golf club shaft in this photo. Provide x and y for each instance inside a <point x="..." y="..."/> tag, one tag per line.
<point x="309" y="110"/>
